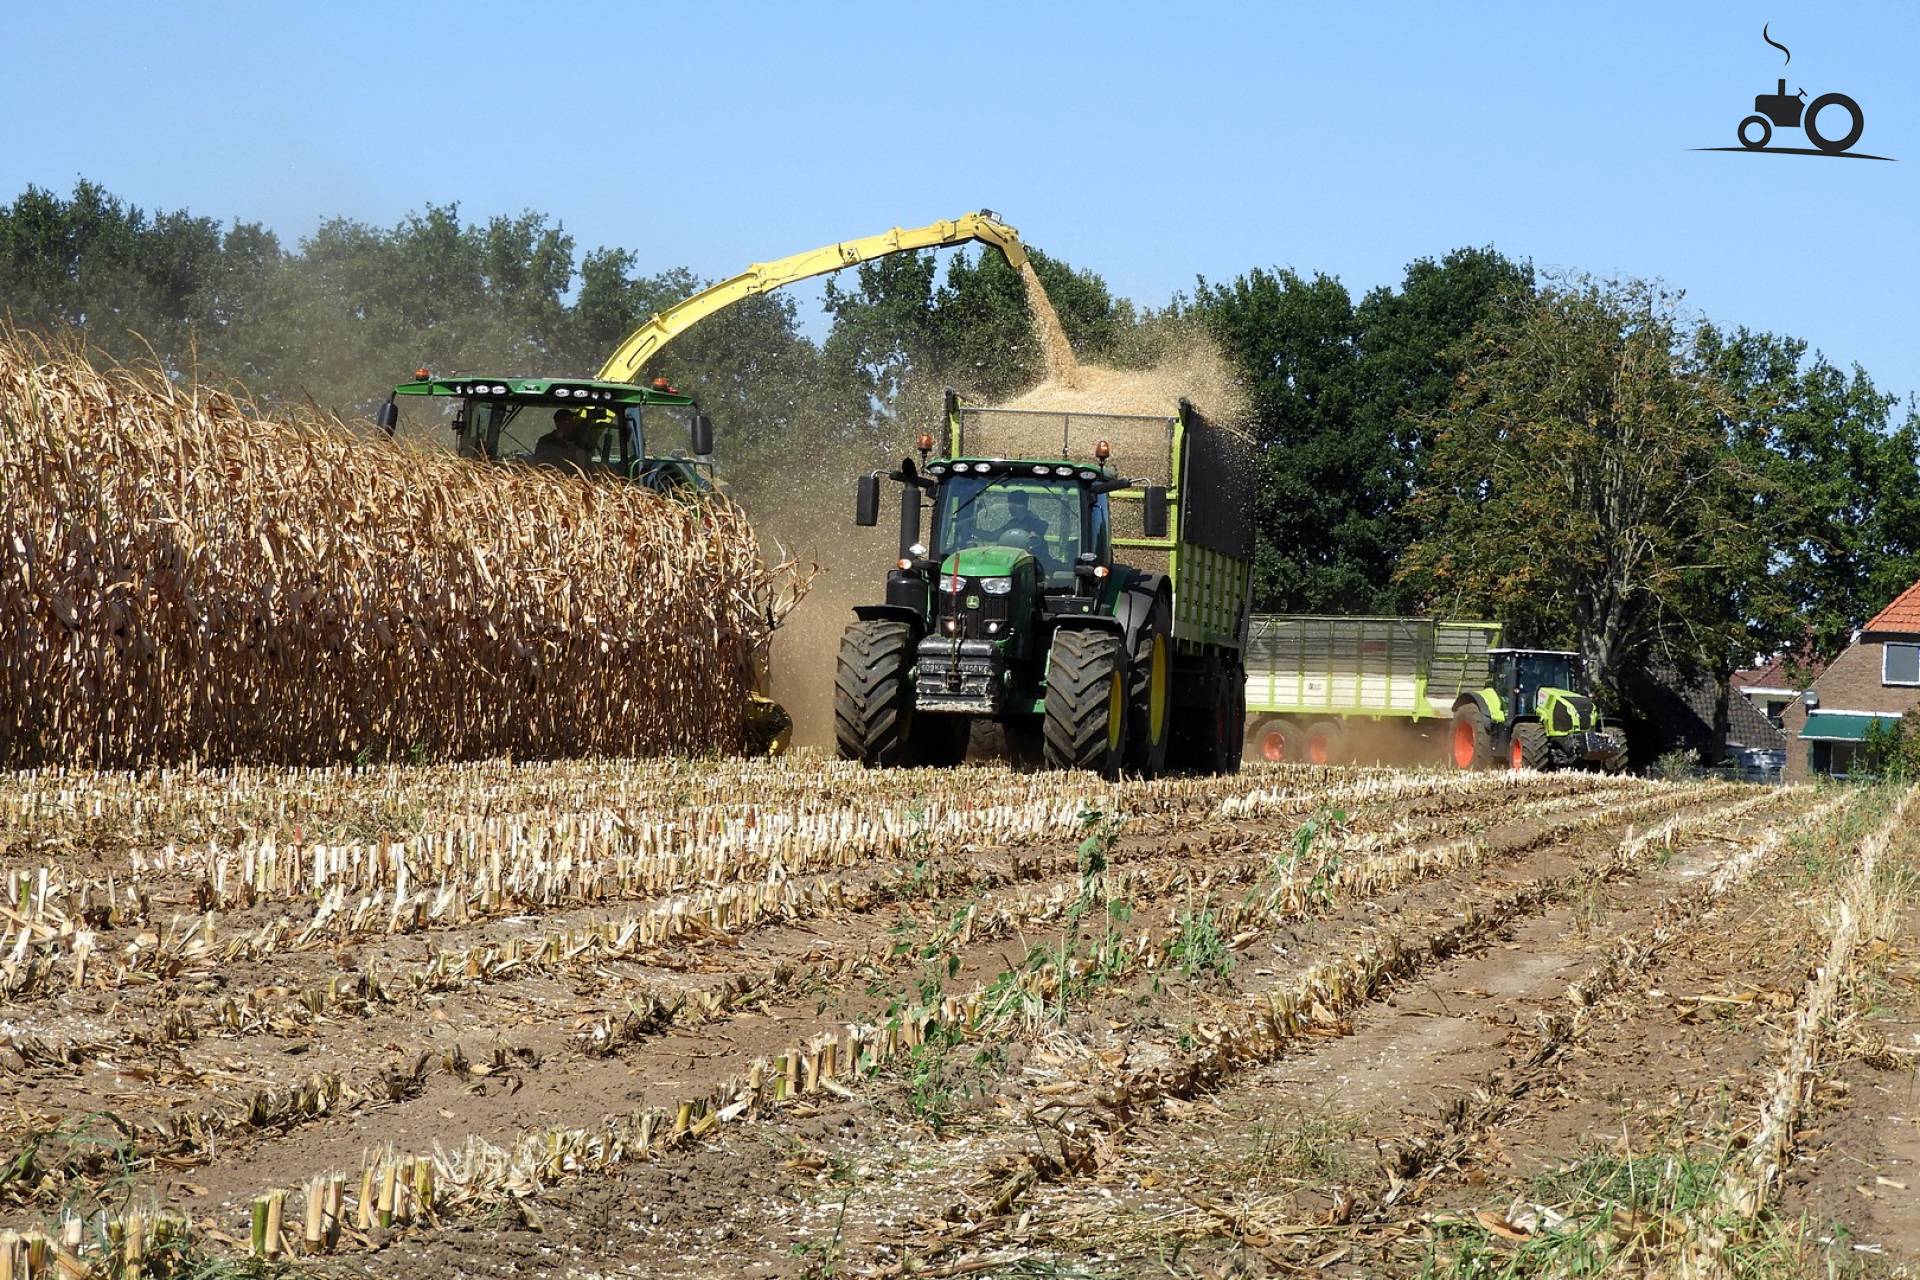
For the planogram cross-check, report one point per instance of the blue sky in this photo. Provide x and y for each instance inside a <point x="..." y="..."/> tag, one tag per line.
<point x="1151" y="143"/>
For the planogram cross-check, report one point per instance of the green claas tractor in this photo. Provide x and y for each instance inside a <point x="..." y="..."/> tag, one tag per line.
<point x="1534" y="714"/>
<point x="1098" y="616"/>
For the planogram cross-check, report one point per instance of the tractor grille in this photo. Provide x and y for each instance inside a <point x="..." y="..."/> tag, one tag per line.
<point x="1570" y="714"/>
<point x="968" y="613"/>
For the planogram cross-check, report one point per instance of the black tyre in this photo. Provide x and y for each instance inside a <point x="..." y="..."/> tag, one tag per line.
<point x="1086" y="719"/>
<point x="873" y="718"/>
<point x="1529" y="748"/>
<point x="1470" y="744"/>
<point x="1276" y="741"/>
<point x="1766" y="133"/>
<point x="1326" y="742"/>
<point x="1617" y="761"/>
<point x="1233" y="727"/>
<point x="1150" y="694"/>
<point x="1856" y="122"/>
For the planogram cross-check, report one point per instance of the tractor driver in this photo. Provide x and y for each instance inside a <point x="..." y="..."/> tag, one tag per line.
<point x="567" y="445"/>
<point x="1023" y="529"/>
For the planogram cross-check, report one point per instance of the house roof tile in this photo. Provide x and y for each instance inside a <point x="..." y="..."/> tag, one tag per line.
<point x="1902" y="616"/>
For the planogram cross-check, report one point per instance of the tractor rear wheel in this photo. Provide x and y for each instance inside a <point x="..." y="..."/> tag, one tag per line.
<point x="1529" y="748"/>
<point x="873" y="717"/>
<point x="1470" y="744"/>
<point x="1086" y="718"/>
<point x="1150" y="694"/>
<point x="1233" y="721"/>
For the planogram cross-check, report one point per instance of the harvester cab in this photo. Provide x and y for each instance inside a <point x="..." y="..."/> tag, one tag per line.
<point x="1535" y="713"/>
<point x="1012" y="607"/>
<point x="588" y="425"/>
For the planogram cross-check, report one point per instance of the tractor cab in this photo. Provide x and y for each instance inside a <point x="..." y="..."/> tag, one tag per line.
<point x="1522" y="676"/>
<point x="584" y="425"/>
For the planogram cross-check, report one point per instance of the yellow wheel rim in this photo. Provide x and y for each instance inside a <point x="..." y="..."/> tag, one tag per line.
<point x="1116" y="710"/>
<point x="1157" y="692"/>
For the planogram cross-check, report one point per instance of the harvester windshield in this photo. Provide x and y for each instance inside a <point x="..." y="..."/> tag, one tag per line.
<point x="587" y="425"/>
<point x="1051" y="520"/>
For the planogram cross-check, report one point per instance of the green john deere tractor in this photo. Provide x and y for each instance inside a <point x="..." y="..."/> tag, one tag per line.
<point x="1534" y="714"/>
<point x="1097" y="616"/>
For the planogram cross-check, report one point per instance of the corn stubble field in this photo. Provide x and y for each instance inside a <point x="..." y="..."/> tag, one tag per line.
<point x="794" y="1018"/>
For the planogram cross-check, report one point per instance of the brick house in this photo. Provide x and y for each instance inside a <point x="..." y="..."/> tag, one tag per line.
<point x="1876" y="678"/>
<point x="1772" y="687"/>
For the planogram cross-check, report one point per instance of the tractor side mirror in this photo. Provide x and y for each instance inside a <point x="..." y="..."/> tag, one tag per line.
<point x="866" y="501"/>
<point x="388" y="417"/>
<point x="702" y="435"/>
<point x="1153" y="511"/>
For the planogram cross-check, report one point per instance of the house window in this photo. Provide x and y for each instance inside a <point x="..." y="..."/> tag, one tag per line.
<point x="1777" y="712"/>
<point x="1834" y="759"/>
<point x="1900" y="664"/>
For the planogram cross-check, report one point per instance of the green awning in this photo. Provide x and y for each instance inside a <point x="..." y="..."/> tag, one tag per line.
<point x="1835" y="726"/>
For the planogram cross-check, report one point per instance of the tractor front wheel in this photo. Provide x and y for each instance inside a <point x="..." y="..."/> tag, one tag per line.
<point x="1086" y="717"/>
<point x="873" y="694"/>
<point x="1470" y="744"/>
<point x="1530" y="748"/>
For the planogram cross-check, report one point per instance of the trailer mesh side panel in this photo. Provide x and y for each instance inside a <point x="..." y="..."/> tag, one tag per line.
<point x="1337" y="666"/>
<point x="1459" y="659"/>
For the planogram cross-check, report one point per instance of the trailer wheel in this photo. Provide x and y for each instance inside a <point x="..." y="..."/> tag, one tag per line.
<point x="1529" y="748"/>
<point x="1275" y="741"/>
<point x="873" y="716"/>
<point x="1470" y="744"/>
<point x="1086" y="717"/>
<point x="1325" y="742"/>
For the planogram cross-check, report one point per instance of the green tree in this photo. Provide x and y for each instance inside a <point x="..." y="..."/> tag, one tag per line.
<point x="1323" y="487"/>
<point x="900" y="333"/>
<point x="1342" y="395"/>
<point x="1578" y="480"/>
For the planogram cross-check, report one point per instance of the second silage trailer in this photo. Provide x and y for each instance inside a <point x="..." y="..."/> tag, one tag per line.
<point x="1322" y="690"/>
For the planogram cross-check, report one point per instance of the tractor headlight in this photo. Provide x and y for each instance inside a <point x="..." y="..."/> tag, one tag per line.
<point x="996" y="586"/>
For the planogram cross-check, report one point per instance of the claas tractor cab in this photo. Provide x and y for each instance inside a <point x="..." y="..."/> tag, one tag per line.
<point x="583" y="425"/>
<point x="1535" y="713"/>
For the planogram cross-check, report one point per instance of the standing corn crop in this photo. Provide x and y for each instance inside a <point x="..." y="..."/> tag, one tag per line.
<point x="185" y="577"/>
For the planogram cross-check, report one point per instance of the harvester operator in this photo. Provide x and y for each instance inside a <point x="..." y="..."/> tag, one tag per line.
<point x="567" y="445"/>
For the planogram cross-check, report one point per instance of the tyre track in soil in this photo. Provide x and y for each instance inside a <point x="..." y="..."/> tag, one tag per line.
<point x="630" y="1080"/>
<point x="1452" y="1093"/>
<point x="1026" y="1054"/>
<point x="596" y="986"/>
